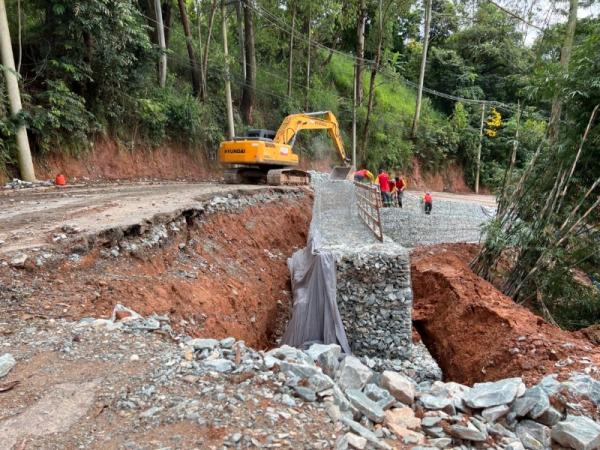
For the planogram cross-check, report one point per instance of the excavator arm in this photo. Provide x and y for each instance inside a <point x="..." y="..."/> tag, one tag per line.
<point x="323" y="120"/>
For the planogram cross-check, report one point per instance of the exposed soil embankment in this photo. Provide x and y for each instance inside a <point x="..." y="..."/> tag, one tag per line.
<point x="107" y="160"/>
<point x="218" y="275"/>
<point x="476" y="333"/>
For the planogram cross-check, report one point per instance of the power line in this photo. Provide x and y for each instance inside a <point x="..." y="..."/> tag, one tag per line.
<point x="274" y="20"/>
<point x="512" y="14"/>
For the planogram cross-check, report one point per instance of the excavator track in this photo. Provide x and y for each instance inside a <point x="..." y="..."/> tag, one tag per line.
<point x="288" y="177"/>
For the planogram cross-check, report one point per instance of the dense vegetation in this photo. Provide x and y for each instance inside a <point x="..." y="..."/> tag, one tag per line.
<point x="90" y="69"/>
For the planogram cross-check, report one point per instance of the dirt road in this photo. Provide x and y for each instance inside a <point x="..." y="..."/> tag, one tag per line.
<point x="36" y="217"/>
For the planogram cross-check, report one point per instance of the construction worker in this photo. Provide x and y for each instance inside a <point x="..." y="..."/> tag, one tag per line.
<point x="360" y="176"/>
<point x="400" y="187"/>
<point x="428" y="199"/>
<point x="384" y="186"/>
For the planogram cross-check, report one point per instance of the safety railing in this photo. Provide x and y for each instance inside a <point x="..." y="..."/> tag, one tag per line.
<point x="368" y="199"/>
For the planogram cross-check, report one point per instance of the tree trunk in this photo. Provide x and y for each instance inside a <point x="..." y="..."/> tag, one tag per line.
<point x="167" y="19"/>
<point x="565" y="58"/>
<point x="478" y="163"/>
<point x="14" y="96"/>
<point x="374" y="70"/>
<point x="211" y="21"/>
<point x="360" y="48"/>
<point x="228" y="102"/>
<point x="249" y="91"/>
<point x="160" y="33"/>
<point x="200" y="57"/>
<point x="196" y="81"/>
<point x="307" y="92"/>
<point x="415" y="126"/>
<point x="291" y="54"/>
<point x="240" y="26"/>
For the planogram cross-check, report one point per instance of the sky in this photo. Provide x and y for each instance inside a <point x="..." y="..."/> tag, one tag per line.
<point x="544" y="13"/>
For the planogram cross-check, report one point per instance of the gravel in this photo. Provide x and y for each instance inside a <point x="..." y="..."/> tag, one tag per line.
<point x="450" y="221"/>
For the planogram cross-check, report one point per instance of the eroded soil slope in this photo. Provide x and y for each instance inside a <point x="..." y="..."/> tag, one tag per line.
<point x="476" y="333"/>
<point x="224" y="274"/>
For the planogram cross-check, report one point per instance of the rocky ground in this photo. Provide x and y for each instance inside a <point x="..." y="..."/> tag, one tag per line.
<point x="79" y="370"/>
<point x="131" y="382"/>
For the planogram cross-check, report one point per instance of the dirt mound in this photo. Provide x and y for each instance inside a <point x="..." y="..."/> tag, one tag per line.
<point x="476" y="333"/>
<point x="224" y="275"/>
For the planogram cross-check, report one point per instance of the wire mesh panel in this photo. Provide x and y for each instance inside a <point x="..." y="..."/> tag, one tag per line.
<point x="368" y="200"/>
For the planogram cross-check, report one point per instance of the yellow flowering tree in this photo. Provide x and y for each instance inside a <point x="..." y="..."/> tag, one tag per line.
<point x="493" y="122"/>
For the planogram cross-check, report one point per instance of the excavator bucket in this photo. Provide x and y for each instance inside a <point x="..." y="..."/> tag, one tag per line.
<point x="340" y="173"/>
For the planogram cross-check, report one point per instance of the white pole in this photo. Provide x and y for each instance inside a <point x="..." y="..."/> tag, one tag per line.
<point x="230" y="128"/>
<point x="160" y="32"/>
<point x="14" y="97"/>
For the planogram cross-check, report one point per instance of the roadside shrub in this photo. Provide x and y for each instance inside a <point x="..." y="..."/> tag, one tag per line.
<point x="59" y="120"/>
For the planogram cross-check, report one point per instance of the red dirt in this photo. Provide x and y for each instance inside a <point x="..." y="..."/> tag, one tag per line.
<point x="232" y="281"/>
<point x="475" y="332"/>
<point x="108" y="161"/>
<point x="449" y="179"/>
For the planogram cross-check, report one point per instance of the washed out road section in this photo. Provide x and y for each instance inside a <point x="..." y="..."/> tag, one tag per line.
<point x="38" y="217"/>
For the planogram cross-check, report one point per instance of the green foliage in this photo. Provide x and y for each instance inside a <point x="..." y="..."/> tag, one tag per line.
<point x="60" y="120"/>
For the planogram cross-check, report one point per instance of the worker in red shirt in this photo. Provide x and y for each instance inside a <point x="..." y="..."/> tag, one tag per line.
<point x="428" y="199"/>
<point x="360" y="176"/>
<point x="384" y="186"/>
<point x="400" y="186"/>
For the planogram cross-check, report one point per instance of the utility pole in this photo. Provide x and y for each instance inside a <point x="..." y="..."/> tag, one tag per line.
<point x="160" y="32"/>
<point x="423" y="64"/>
<point x="230" y="127"/>
<point x="14" y="96"/>
<point x="479" y="149"/>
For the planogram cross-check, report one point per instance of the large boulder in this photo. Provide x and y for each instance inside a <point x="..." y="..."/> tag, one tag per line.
<point x="365" y="405"/>
<point x="307" y="376"/>
<point x="578" y="432"/>
<point x="352" y="374"/>
<point x="7" y="362"/>
<point x="326" y="356"/>
<point x="380" y="396"/>
<point x="484" y="395"/>
<point x="468" y="432"/>
<point x="533" y="435"/>
<point x="400" y="386"/>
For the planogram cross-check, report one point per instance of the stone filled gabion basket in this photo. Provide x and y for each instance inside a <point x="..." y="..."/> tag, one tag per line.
<point x="375" y="300"/>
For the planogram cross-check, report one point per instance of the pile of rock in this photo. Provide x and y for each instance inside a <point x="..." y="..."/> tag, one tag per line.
<point x="391" y="406"/>
<point x="21" y="184"/>
<point x="124" y="318"/>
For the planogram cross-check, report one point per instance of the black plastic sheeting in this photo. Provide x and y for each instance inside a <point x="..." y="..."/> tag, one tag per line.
<point x="315" y="315"/>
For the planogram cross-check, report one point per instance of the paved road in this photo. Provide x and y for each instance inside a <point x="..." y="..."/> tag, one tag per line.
<point x="32" y="217"/>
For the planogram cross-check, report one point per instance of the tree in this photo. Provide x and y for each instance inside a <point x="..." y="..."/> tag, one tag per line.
<point x="249" y="88"/>
<point x="423" y="65"/>
<point x="291" y="52"/>
<point x="196" y="74"/>
<point x="565" y="58"/>
<point x="382" y="18"/>
<point x="360" y="48"/>
<point x="160" y="33"/>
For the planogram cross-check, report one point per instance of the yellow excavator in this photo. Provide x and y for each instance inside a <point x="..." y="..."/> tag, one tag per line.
<point x="267" y="156"/>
